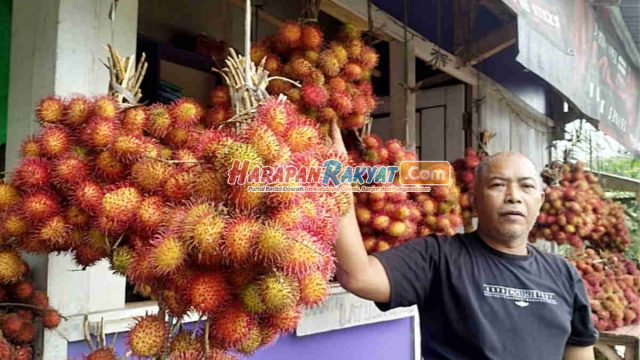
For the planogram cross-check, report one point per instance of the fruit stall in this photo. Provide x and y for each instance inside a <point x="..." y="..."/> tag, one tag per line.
<point x="122" y="237"/>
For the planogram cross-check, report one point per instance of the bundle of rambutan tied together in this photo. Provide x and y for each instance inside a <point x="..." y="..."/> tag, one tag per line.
<point x="167" y="198"/>
<point x="335" y="75"/>
<point x="389" y="218"/>
<point x="576" y="210"/>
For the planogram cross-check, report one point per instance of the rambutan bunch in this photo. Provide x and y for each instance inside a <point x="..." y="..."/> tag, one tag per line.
<point x="335" y="74"/>
<point x="391" y="218"/>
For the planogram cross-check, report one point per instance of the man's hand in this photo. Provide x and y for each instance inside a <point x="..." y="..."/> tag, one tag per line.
<point x="578" y="353"/>
<point x="357" y="272"/>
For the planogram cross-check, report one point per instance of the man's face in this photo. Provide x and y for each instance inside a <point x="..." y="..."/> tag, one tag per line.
<point x="508" y="197"/>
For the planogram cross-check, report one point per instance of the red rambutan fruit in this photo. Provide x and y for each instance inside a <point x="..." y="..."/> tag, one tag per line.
<point x="353" y="121"/>
<point x="14" y="225"/>
<point x="121" y="202"/>
<point x="304" y="255"/>
<point x="69" y="170"/>
<point x="218" y="115"/>
<point x="302" y="135"/>
<point x="106" y="107"/>
<point x="148" y="336"/>
<point x="159" y="120"/>
<point x="39" y="299"/>
<point x="127" y="148"/>
<point x="30" y="147"/>
<point x="88" y="196"/>
<point x="151" y="215"/>
<point x="312" y="37"/>
<point x="99" y="132"/>
<point x="273" y="64"/>
<point x="341" y="53"/>
<point x="329" y="63"/>
<point x="266" y="143"/>
<point x="233" y="325"/>
<point x="208" y="292"/>
<point x="54" y="231"/>
<point x="108" y="167"/>
<point x="314" y="95"/>
<point x="40" y="205"/>
<point x="240" y="238"/>
<point x="53" y="141"/>
<point x="300" y="68"/>
<point x="50" y="110"/>
<point x="134" y="120"/>
<point x="22" y="290"/>
<point x="22" y="353"/>
<point x="9" y="196"/>
<point x="341" y="103"/>
<point x="273" y="243"/>
<point x="284" y="321"/>
<point x="314" y="289"/>
<point x="168" y="253"/>
<point x="290" y="33"/>
<point x="51" y="318"/>
<point x="178" y="185"/>
<point x="369" y="57"/>
<point x="32" y="174"/>
<point x="102" y="354"/>
<point x="12" y="324"/>
<point x="78" y="110"/>
<point x="352" y="72"/>
<point x="275" y="114"/>
<point x="186" y="112"/>
<point x="278" y="292"/>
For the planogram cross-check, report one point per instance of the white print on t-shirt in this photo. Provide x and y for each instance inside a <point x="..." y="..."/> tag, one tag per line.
<point x="522" y="297"/>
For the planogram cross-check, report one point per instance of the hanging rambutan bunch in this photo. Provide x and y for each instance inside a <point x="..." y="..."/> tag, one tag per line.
<point x="208" y="292"/>
<point x="159" y="120"/>
<point x="290" y="34"/>
<point x="51" y="110"/>
<point x="106" y="107"/>
<point x="148" y="336"/>
<point x="98" y="132"/>
<point x="32" y="174"/>
<point x="185" y="112"/>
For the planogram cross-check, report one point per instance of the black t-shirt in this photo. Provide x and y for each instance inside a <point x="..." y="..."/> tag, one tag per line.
<point x="479" y="303"/>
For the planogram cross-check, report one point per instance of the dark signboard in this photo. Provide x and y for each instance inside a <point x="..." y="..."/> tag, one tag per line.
<point x="576" y="48"/>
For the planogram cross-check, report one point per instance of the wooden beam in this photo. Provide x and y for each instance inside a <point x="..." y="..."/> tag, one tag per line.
<point x="402" y="99"/>
<point x="491" y="44"/>
<point x="355" y="12"/>
<point x="432" y="81"/>
<point x="608" y="352"/>
<point x="499" y="9"/>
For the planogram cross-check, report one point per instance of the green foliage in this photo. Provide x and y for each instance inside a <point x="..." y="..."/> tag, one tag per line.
<point x="621" y="165"/>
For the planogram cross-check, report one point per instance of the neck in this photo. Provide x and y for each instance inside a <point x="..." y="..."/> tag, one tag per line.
<point x="514" y="247"/>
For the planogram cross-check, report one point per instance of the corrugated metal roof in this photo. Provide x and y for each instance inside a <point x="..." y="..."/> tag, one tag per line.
<point x="631" y="13"/>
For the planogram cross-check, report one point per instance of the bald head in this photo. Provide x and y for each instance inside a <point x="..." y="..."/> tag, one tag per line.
<point x="500" y="158"/>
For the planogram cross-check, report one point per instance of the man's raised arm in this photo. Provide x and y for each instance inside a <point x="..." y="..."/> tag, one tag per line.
<point x="359" y="273"/>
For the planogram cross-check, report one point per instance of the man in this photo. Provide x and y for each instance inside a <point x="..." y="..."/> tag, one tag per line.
<point x="481" y="295"/>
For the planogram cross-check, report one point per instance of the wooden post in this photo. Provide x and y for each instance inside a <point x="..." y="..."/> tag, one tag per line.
<point x="402" y="95"/>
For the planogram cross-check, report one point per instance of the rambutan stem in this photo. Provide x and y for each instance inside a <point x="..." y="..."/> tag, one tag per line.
<point x="87" y="333"/>
<point x="206" y="337"/>
<point x="118" y="241"/>
<point x="297" y="84"/>
<point x="196" y="328"/>
<point x="176" y="161"/>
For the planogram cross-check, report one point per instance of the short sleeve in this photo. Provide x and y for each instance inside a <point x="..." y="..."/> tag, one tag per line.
<point x="583" y="332"/>
<point x="410" y="268"/>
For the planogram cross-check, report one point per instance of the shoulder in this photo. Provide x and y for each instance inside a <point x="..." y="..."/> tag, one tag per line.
<point x="557" y="265"/>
